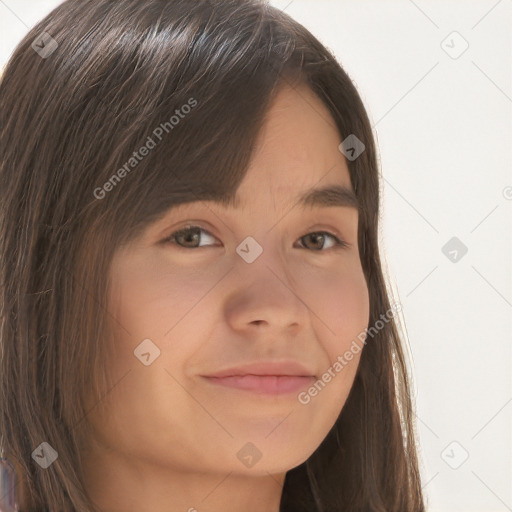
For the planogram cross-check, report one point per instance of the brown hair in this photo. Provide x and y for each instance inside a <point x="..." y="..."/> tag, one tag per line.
<point x="75" y="103"/>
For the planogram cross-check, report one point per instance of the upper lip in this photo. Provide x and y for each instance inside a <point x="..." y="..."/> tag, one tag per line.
<point x="291" y="368"/>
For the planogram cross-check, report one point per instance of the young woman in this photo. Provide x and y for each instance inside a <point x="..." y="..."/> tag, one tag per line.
<point x="193" y="312"/>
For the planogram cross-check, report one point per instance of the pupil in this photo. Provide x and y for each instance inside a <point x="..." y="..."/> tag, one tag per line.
<point x="316" y="237"/>
<point x="190" y="236"/>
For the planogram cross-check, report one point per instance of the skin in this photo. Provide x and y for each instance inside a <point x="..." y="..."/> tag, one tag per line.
<point x="165" y="439"/>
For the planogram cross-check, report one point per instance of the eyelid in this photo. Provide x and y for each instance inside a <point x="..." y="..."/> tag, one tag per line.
<point x="339" y="240"/>
<point x="186" y="226"/>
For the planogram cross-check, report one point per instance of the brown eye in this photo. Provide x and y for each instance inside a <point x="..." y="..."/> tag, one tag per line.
<point x="318" y="240"/>
<point x="188" y="237"/>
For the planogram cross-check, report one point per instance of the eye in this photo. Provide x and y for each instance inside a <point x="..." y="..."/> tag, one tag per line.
<point x="188" y="234"/>
<point x="321" y="235"/>
<point x="187" y="237"/>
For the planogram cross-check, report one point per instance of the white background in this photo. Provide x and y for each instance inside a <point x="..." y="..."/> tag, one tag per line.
<point x="444" y="133"/>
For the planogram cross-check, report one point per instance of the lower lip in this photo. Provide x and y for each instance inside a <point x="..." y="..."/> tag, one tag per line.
<point x="270" y="384"/>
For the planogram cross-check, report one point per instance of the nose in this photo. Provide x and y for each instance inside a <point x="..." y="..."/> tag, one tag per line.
<point x="264" y="294"/>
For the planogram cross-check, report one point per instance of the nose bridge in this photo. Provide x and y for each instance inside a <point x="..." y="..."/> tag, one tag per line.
<point x="261" y="253"/>
<point x="264" y="288"/>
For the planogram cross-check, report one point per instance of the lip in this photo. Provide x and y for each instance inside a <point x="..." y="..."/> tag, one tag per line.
<point x="268" y="384"/>
<point x="268" y="377"/>
<point x="281" y="368"/>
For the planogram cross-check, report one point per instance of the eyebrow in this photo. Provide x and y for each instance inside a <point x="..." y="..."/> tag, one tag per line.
<point x="332" y="195"/>
<point x="328" y="196"/>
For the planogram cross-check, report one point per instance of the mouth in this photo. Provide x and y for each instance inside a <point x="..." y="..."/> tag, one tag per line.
<point x="264" y="378"/>
<point x="269" y="384"/>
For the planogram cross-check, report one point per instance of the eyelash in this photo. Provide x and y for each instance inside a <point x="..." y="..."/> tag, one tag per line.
<point x="171" y="239"/>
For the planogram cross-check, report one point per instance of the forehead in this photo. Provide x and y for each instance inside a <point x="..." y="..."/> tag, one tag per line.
<point x="297" y="150"/>
<point x="296" y="163"/>
<point x="297" y="127"/>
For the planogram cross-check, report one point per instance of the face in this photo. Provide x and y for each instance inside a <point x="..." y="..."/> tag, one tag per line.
<point x="264" y="283"/>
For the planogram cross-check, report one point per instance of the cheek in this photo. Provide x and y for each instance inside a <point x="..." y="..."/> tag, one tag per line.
<point x="151" y="298"/>
<point x="351" y="307"/>
<point x="342" y="308"/>
<point x="339" y="299"/>
<point x="174" y="308"/>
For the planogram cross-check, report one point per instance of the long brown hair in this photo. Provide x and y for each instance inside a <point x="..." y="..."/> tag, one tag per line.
<point x="88" y="86"/>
